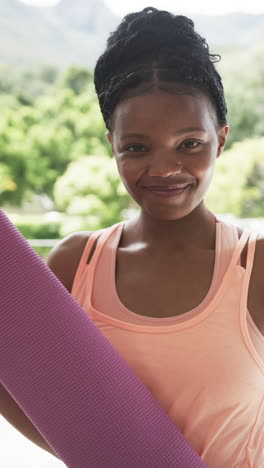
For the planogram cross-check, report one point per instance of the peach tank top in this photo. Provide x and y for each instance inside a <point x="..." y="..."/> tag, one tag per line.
<point x="206" y="366"/>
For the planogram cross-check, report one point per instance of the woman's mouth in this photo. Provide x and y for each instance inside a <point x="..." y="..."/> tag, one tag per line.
<point x="168" y="190"/>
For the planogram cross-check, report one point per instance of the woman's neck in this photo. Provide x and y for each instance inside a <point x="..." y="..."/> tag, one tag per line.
<point x="196" y="231"/>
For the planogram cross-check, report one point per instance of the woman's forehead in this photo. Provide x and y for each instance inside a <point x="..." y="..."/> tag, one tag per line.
<point x="159" y="106"/>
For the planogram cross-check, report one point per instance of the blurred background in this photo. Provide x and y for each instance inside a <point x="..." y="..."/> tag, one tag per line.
<point x="57" y="173"/>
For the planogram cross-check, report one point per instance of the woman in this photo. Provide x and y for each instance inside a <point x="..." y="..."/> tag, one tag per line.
<point x="175" y="290"/>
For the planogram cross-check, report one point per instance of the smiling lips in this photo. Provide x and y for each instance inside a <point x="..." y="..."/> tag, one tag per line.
<point x="167" y="190"/>
<point x="166" y="187"/>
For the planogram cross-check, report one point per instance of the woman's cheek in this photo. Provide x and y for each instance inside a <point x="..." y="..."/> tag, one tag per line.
<point x="131" y="171"/>
<point x="131" y="175"/>
<point x="199" y="165"/>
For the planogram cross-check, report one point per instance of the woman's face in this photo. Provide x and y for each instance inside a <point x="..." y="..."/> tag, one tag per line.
<point x="162" y="140"/>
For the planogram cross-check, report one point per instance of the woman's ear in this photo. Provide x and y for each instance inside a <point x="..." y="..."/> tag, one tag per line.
<point x="222" y="136"/>
<point x="109" y="137"/>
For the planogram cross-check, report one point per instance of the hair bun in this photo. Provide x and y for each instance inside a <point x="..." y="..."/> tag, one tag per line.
<point x="154" y="39"/>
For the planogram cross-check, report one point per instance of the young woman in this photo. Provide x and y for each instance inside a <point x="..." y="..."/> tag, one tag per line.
<point x="176" y="291"/>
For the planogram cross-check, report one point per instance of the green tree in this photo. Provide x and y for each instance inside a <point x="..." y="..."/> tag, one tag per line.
<point x="243" y="79"/>
<point x="91" y="189"/>
<point x="238" y="184"/>
<point x="77" y="79"/>
<point x="39" y="141"/>
<point x="8" y="78"/>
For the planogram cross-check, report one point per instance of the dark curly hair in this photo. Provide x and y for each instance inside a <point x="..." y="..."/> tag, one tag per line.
<point x="153" y="46"/>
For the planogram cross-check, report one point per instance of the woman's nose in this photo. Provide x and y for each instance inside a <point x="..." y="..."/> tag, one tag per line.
<point x="163" y="166"/>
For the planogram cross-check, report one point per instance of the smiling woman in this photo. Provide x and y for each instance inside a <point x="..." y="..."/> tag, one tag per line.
<point x="176" y="291"/>
<point x="181" y="285"/>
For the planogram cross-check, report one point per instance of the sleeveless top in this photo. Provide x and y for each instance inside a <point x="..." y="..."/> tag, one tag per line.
<point x="206" y="366"/>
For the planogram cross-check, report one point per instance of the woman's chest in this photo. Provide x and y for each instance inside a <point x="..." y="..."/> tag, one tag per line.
<point x="170" y="287"/>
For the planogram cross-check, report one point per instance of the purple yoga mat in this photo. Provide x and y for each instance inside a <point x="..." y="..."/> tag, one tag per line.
<point x="77" y="390"/>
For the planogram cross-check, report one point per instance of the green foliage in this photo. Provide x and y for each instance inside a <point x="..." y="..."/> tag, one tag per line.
<point x="238" y="183"/>
<point x="38" y="141"/>
<point x="243" y="77"/>
<point x="7" y="184"/>
<point x="36" y="226"/>
<point x="53" y="141"/>
<point x="39" y="230"/>
<point x="48" y="156"/>
<point x="91" y="188"/>
<point x="28" y="83"/>
<point x="8" y="78"/>
<point x="13" y="167"/>
<point x="77" y="79"/>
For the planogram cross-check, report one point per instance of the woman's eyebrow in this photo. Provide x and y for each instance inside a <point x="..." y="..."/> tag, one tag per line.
<point x="181" y="131"/>
<point x="136" y="135"/>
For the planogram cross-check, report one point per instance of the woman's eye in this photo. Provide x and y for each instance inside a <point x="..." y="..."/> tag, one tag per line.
<point x="135" y="148"/>
<point x="191" y="144"/>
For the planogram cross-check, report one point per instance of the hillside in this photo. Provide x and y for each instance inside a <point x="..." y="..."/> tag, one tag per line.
<point x="70" y="33"/>
<point x="75" y="32"/>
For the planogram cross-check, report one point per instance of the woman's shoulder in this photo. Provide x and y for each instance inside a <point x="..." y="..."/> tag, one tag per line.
<point x="259" y="252"/>
<point x="64" y="258"/>
<point x="258" y="264"/>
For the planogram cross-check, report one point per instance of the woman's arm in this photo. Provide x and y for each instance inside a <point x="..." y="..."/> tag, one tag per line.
<point x="10" y="410"/>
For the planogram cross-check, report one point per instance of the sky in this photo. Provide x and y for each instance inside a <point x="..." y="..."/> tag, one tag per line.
<point x="121" y="7"/>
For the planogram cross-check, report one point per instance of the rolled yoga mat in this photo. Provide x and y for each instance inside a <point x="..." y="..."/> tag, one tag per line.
<point x="69" y="380"/>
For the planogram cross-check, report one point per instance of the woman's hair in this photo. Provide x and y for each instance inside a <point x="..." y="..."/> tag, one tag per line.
<point x="152" y="47"/>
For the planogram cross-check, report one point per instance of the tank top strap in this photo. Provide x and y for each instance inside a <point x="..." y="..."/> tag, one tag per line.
<point x="89" y="246"/>
<point x="83" y="261"/>
<point x="249" y="263"/>
<point x="239" y="248"/>
<point x="102" y="239"/>
<point x="228" y="240"/>
<point x="84" y="266"/>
